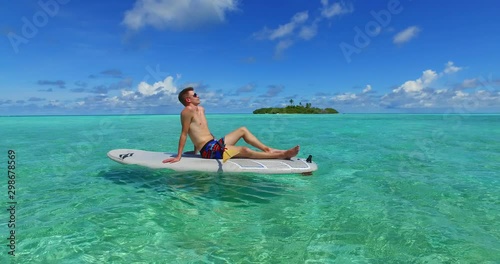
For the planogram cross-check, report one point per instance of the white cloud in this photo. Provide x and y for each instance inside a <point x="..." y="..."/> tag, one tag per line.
<point x="308" y="32"/>
<point x="345" y="97"/>
<point x="419" y="84"/>
<point x="285" y="30"/>
<point x="166" y="86"/>
<point x="406" y="35"/>
<point x="301" y="26"/>
<point x="367" y="89"/>
<point x="126" y="93"/>
<point x="177" y="14"/>
<point x="360" y="100"/>
<point x="335" y="9"/>
<point x="451" y="68"/>
<point x="440" y="91"/>
<point x="459" y="95"/>
<point x="114" y="101"/>
<point x="286" y="33"/>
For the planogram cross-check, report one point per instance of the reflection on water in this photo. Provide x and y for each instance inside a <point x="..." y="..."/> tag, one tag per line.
<point x="244" y="189"/>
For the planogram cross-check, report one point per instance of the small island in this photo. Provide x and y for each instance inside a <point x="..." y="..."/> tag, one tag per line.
<point x="295" y="109"/>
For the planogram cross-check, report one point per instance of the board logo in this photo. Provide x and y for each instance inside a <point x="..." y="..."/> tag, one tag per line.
<point x="123" y="156"/>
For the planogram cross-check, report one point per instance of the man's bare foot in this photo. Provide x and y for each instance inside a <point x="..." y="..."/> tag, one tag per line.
<point x="291" y="152"/>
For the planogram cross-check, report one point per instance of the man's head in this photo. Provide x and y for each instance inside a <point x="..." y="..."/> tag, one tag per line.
<point x="187" y="95"/>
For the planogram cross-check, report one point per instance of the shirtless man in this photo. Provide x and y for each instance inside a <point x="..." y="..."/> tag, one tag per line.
<point x="194" y="124"/>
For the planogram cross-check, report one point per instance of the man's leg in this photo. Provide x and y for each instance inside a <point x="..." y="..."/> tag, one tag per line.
<point x="243" y="132"/>
<point x="244" y="152"/>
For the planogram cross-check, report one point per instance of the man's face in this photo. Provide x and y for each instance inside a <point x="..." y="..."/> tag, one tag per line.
<point x="193" y="98"/>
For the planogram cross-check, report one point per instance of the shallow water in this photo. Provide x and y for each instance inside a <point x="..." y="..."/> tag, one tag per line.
<point x="389" y="189"/>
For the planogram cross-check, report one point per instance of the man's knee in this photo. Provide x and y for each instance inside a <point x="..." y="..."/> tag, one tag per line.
<point x="243" y="129"/>
<point x="245" y="150"/>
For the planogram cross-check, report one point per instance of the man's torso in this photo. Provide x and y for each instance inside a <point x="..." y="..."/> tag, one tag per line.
<point x="198" y="129"/>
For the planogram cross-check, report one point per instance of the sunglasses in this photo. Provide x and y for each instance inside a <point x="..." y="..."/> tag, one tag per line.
<point x="195" y="95"/>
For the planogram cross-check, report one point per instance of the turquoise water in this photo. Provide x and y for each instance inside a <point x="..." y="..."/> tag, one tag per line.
<point x="389" y="189"/>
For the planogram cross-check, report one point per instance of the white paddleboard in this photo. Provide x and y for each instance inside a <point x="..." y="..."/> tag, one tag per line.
<point x="194" y="162"/>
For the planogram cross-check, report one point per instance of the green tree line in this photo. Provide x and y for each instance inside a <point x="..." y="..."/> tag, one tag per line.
<point x="295" y="109"/>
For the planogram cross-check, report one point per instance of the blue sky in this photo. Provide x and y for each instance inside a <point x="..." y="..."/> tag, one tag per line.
<point x="357" y="56"/>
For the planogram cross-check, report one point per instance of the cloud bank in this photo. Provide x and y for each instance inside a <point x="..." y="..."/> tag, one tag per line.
<point x="425" y="93"/>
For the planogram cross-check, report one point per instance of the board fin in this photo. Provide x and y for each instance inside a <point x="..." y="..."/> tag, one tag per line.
<point x="229" y="153"/>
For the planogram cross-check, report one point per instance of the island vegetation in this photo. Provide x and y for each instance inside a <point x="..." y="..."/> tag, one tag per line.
<point x="295" y="109"/>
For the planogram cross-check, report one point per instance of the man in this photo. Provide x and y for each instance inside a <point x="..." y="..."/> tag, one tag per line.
<point x="194" y="124"/>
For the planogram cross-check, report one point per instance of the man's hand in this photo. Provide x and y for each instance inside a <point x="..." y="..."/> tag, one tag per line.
<point x="171" y="160"/>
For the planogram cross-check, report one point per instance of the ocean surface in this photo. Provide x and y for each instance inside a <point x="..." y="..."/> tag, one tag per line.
<point x="395" y="188"/>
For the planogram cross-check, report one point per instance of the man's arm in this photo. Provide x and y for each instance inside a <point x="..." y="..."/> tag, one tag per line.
<point x="186" y="117"/>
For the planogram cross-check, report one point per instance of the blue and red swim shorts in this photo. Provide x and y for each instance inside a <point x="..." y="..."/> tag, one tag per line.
<point x="213" y="149"/>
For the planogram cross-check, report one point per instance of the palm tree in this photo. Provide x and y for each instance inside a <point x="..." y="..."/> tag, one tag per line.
<point x="291" y="101"/>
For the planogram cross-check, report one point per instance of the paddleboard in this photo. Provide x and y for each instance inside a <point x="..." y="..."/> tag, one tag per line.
<point x="194" y="162"/>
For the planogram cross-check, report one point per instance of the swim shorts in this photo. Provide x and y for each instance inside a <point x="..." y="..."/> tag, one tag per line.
<point x="213" y="149"/>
